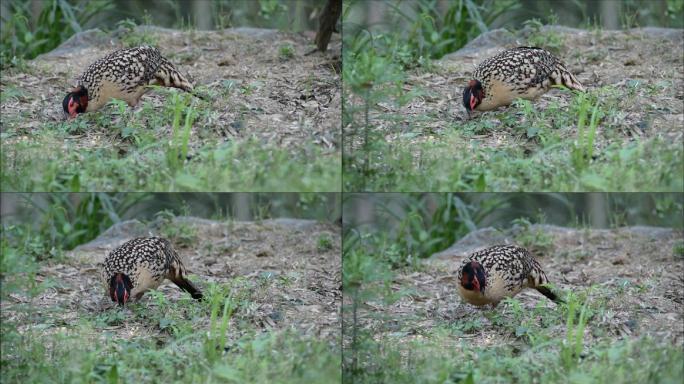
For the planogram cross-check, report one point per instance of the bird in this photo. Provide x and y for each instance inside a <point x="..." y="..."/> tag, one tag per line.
<point x="522" y="72"/>
<point x="125" y="75"/>
<point x="142" y="264"/>
<point x="492" y="274"/>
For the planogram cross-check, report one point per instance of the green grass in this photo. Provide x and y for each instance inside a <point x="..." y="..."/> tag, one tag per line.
<point x="571" y="343"/>
<point x="533" y="239"/>
<point x="324" y="242"/>
<point x="550" y="149"/>
<point x="584" y="340"/>
<point x="286" y="52"/>
<point x="157" y="340"/>
<point x="24" y="37"/>
<point x="604" y="140"/>
<point x="428" y="361"/>
<point x="180" y="233"/>
<point x="89" y="352"/>
<point x="180" y="149"/>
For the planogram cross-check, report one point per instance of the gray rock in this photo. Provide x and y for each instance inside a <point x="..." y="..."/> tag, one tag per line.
<point x="486" y="237"/>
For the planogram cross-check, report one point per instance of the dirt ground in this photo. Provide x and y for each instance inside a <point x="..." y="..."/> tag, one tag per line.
<point x="286" y="101"/>
<point x="647" y="61"/>
<point x="292" y="282"/>
<point x="637" y="260"/>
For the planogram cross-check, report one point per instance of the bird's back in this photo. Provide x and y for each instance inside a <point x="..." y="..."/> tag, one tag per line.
<point x="125" y="75"/>
<point x="143" y="258"/>
<point x="523" y="72"/>
<point x="508" y="269"/>
<point x="147" y="261"/>
<point x="129" y="67"/>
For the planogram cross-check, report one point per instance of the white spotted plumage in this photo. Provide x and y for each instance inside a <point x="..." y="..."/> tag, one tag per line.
<point x="523" y="72"/>
<point x="508" y="269"/>
<point x="126" y="73"/>
<point x="147" y="261"/>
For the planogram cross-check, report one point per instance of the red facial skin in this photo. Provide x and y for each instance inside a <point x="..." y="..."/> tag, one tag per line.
<point x="76" y="101"/>
<point x="476" y="284"/>
<point x="125" y="298"/>
<point x="473" y="277"/>
<point x="119" y="289"/>
<point x="72" y="108"/>
<point x="476" y="95"/>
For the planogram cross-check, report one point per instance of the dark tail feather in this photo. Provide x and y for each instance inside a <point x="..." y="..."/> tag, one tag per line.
<point x="168" y="76"/>
<point x="547" y="292"/>
<point x="561" y="76"/>
<point x="187" y="286"/>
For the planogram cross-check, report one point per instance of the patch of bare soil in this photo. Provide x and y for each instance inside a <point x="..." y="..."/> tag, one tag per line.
<point x="289" y="280"/>
<point x="634" y="267"/>
<point x="645" y="65"/>
<point x="265" y="86"/>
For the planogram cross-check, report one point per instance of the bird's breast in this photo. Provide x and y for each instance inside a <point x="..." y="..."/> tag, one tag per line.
<point x="145" y="279"/>
<point x="473" y="297"/>
<point x="108" y="90"/>
<point x="501" y="93"/>
<point x="501" y="285"/>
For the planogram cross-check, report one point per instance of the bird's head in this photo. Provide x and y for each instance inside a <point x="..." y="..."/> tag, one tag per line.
<point x="76" y="101"/>
<point x="120" y="288"/>
<point x="473" y="277"/>
<point x="473" y="95"/>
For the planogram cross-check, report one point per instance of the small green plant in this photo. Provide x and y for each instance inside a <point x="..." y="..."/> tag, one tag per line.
<point x="324" y="243"/>
<point x="21" y="38"/>
<point x="269" y="8"/>
<point x="177" y="150"/>
<point x="547" y="39"/>
<point x="678" y="250"/>
<point x="536" y="240"/>
<point x="419" y="235"/>
<point x="573" y="345"/>
<point x="582" y="152"/>
<point x="434" y="31"/>
<point x="67" y="221"/>
<point x="215" y="340"/>
<point x="286" y="52"/>
<point x="134" y="35"/>
<point x="364" y="278"/>
<point x="178" y="232"/>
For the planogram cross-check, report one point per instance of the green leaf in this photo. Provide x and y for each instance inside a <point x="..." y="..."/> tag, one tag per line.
<point x="480" y="183"/>
<point x="113" y="375"/>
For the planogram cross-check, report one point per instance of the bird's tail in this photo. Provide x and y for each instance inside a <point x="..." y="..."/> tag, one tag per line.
<point x="538" y="280"/>
<point x="561" y="76"/>
<point x="546" y="291"/>
<point x="168" y="76"/>
<point x="187" y="286"/>
<point x="177" y="272"/>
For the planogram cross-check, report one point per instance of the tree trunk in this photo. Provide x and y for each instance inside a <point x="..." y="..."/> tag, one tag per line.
<point x="326" y="23"/>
